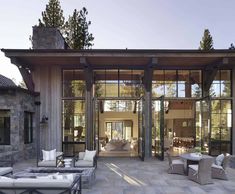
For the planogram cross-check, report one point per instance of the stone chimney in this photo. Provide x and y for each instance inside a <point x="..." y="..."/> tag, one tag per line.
<point x="48" y="38"/>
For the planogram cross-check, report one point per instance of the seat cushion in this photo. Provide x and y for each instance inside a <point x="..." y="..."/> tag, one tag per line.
<point x="6" y="182"/>
<point x="83" y="163"/>
<point x="42" y="183"/>
<point x="194" y="167"/>
<point x="217" y="166"/>
<point x="51" y="163"/>
<point x="5" y="170"/>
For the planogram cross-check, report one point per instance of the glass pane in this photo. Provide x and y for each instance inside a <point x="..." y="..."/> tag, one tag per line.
<point x="215" y="106"/>
<point x="196" y="90"/>
<point x="117" y="130"/>
<point x="5" y="127"/>
<point x="181" y="90"/>
<point x="183" y="76"/>
<point x="130" y="84"/>
<point x="215" y="148"/>
<point x="226" y="106"/>
<point x="111" y="89"/>
<point x="74" y="120"/>
<point x="170" y="76"/>
<point x="158" y="89"/>
<point x="225" y="134"/>
<point x="225" y="89"/>
<point x="217" y="78"/>
<point x="195" y="77"/>
<point x="108" y="130"/>
<point x="225" y="147"/>
<point x="215" y="120"/>
<point x="215" y="133"/>
<point x="73" y="83"/>
<point x="170" y="89"/>
<point x="215" y="90"/>
<point x="226" y="76"/>
<point x="99" y="77"/>
<point x="126" y="83"/>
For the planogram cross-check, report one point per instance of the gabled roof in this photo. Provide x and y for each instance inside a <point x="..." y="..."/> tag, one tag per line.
<point x="6" y="82"/>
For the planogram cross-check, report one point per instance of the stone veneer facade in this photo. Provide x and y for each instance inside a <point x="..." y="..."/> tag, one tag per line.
<point x="17" y="101"/>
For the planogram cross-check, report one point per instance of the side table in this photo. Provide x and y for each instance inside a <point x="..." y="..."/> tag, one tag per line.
<point x="68" y="162"/>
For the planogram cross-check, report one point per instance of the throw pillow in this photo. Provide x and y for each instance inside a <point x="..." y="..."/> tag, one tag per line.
<point x="49" y="155"/>
<point x="53" y="154"/>
<point x="45" y="155"/>
<point x="219" y="159"/>
<point x="89" y="155"/>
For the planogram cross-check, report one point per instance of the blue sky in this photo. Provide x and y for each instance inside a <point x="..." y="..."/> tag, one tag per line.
<point x="143" y="24"/>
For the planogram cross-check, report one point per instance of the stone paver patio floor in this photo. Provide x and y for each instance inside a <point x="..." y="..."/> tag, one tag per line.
<point x="132" y="176"/>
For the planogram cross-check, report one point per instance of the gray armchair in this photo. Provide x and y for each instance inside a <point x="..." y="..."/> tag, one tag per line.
<point x="80" y="162"/>
<point x="201" y="173"/>
<point x="219" y="172"/>
<point x="51" y="163"/>
<point x="176" y="166"/>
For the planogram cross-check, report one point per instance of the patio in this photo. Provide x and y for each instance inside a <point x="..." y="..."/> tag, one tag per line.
<point x="131" y="176"/>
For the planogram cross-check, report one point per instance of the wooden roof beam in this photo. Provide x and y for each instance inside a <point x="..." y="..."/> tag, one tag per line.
<point x="25" y="72"/>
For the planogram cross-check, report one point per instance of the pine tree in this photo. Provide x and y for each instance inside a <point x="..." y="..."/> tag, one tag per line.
<point x="207" y="42"/>
<point x="77" y="35"/>
<point x="232" y="47"/>
<point x="53" y="15"/>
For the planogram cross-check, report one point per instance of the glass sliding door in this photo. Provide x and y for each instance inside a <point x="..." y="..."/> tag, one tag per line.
<point x="221" y="126"/>
<point x="158" y="128"/>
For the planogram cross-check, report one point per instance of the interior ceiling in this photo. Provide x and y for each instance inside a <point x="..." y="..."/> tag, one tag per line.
<point x="181" y="104"/>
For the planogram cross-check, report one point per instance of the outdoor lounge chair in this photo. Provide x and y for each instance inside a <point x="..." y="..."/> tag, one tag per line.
<point x="80" y="160"/>
<point x="201" y="173"/>
<point x="219" y="171"/>
<point x="51" y="163"/>
<point x="176" y="166"/>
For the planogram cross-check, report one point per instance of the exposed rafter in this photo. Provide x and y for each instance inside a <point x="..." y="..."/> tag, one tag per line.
<point x="25" y="72"/>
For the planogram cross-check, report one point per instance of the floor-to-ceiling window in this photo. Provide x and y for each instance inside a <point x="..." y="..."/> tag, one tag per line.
<point x="221" y="113"/>
<point x="180" y="89"/>
<point x="73" y="111"/>
<point x="117" y="92"/>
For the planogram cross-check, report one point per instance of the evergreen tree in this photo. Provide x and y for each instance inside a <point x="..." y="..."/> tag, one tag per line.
<point x="232" y="47"/>
<point x="77" y="35"/>
<point x="53" y="15"/>
<point x="207" y="42"/>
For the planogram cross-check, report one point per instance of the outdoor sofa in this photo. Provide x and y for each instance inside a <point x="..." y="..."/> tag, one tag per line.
<point x="42" y="185"/>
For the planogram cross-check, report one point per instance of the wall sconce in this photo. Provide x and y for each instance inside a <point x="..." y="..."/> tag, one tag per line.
<point x="44" y="119"/>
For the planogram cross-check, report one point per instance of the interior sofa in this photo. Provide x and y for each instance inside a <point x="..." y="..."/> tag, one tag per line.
<point x="40" y="185"/>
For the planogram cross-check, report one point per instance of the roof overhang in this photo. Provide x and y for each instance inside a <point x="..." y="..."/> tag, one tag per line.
<point x="115" y="57"/>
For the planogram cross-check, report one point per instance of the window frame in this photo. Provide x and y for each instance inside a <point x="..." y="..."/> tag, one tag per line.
<point x="28" y="131"/>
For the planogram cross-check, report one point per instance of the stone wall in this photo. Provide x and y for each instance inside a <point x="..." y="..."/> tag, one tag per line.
<point x="17" y="101"/>
<point x="47" y="38"/>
